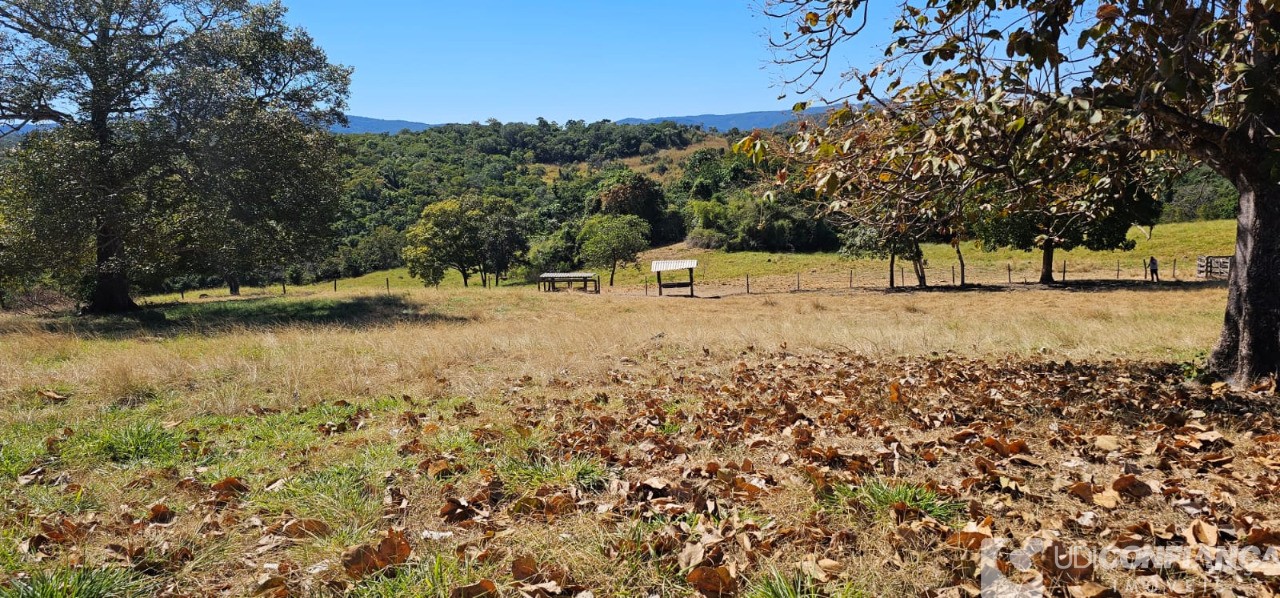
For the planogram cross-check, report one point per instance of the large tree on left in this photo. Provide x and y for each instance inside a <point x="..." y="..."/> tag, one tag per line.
<point x="134" y="87"/>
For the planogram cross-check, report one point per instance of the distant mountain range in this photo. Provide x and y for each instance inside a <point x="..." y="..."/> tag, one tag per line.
<point x="364" y="124"/>
<point x="745" y="121"/>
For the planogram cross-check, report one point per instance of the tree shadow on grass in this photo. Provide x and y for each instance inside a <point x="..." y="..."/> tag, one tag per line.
<point x="215" y="317"/>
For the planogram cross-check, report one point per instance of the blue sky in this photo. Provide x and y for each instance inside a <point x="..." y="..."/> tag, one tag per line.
<point x="448" y="61"/>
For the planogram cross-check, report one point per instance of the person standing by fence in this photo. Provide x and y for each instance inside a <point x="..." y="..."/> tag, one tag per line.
<point x="1155" y="269"/>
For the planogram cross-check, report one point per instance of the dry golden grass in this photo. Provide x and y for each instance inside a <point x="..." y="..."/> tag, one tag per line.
<point x="201" y="373"/>
<point x="506" y="333"/>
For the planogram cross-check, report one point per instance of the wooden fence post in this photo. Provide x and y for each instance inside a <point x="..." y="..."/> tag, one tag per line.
<point x="646" y="286"/>
<point x="388" y="285"/>
<point x="1146" y="271"/>
<point x="851" y="278"/>
<point x="1175" y="268"/>
<point x="335" y="285"/>
<point x="283" y="290"/>
<point x="1064" y="270"/>
<point x="797" y="282"/>
<point x="953" y="276"/>
<point x="748" y="284"/>
<point x="1010" y="269"/>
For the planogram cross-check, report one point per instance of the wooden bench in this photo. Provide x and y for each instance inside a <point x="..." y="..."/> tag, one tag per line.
<point x="550" y="281"/>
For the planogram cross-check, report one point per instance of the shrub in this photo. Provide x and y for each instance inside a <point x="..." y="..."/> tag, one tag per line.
<point x="705" y="238"/>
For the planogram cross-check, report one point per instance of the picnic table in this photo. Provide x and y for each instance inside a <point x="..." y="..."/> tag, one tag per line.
<point x="550" y="281"/>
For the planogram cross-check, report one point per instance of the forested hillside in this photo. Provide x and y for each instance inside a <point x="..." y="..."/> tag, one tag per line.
<point x="554" y="177"/>
<point x="545" y="181"/>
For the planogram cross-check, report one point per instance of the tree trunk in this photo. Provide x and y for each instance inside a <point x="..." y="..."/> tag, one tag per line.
<point x="893" y="259"/>
<point x="111" y="281"/>
<point x="1046" y="265"/>
<point x="233" y="285"/>
<point x="1249" y="348"/>
<point x="465" y="278"/>
<point x="918" y="265"/>
<point x="960" y="257"/>
<point x="111" y="277"/>
<point x="612" y="271"/>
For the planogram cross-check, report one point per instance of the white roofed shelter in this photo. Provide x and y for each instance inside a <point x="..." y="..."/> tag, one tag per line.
<point x="661" y="266"/>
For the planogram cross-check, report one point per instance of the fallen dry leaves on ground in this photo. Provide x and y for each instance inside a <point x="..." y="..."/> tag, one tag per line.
<point x="724" y="469"/>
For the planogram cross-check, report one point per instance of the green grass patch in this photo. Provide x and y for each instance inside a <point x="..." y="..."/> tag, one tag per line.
<point x="532" y="473"/>
<point x="341" y="496"/>
<point x="432" y="578"/>
<point x="135" y="442"/>
<point x="78" y="583"/>
<point x="51" y="499"/>
<point x="16" y="457"/>
<point x="880" y="496"/>
<point x="778" y="585"/>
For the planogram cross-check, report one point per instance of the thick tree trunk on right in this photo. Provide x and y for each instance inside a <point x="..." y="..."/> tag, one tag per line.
<point x="1046" y="264"/>
<point x="1249" y="348"/>
<point x="233" y="285"/>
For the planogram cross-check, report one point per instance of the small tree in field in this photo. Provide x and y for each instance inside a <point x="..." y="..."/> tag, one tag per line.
<point x="606" y="241"/>
<point x="470" y="234"/>
<point x="447" y="236"/>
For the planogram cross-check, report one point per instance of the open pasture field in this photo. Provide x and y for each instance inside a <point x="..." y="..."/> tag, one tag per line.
<point x="449" y="442"/>
<point x="724" y="273"/>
